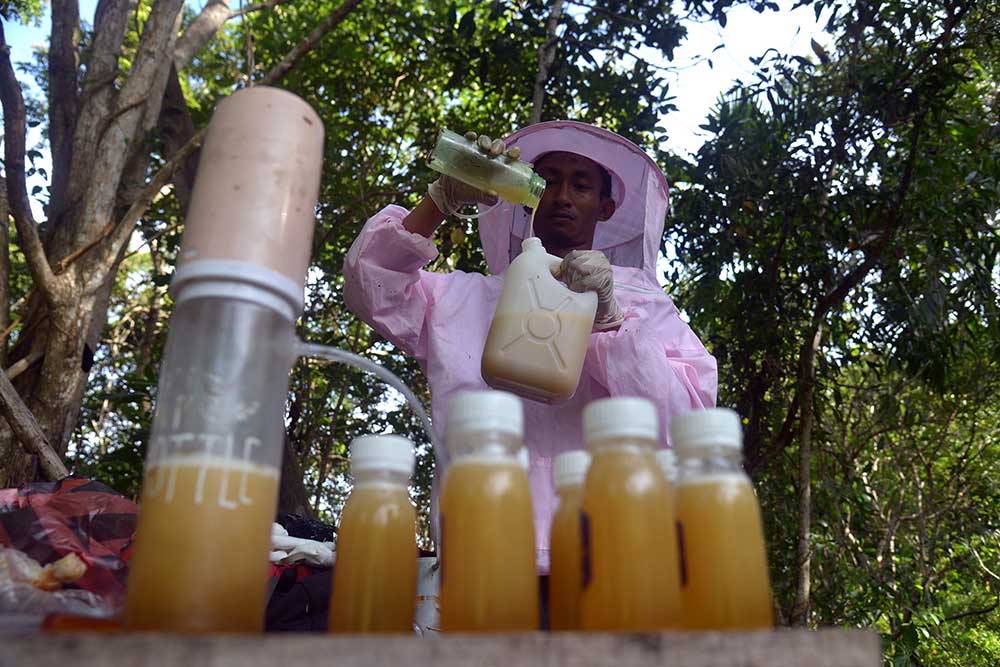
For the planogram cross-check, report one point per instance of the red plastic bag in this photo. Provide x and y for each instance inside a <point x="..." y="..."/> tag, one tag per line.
<point x="47" y="520"/>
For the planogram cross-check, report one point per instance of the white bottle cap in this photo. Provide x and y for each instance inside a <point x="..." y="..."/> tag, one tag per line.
<point x="570" y="468"/>
<point x="391" y="453"/>
<point x="667" y="460"/>
<point x="531" y="243"/>
<point x="620" y="418"/>
<point x="694" y="431"/>
<point x="524" y="458"/>
<point x="477" y="411"/>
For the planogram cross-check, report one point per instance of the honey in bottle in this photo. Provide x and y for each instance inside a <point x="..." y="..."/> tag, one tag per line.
<point x="631" y="574"/>
<point x="375" y="577"/>
<point x="566" y="548"/>
<point x="487" y="536"/>
<point x="725" y="575"/>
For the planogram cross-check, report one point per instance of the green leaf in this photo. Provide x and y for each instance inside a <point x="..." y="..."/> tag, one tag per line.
<point x="467" y="26"/>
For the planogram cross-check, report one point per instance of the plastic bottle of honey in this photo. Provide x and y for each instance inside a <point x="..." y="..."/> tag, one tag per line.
<point x="631" y="574"/>
<point x="487" y="536"/>
<point x="725" y="576"/>
<point x="538" y="337"/>
<point x="375" y="577"/>
<point x="566" y="576"/>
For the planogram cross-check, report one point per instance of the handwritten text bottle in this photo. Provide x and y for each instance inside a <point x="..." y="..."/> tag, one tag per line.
<point x="214" y="455"/>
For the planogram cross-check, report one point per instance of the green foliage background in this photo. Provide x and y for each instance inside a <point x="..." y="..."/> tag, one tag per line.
<point x="851" y="198"/>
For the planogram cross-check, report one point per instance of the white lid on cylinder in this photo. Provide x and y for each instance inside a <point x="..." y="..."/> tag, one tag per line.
<point x="695" y="431"/>
<point x="391" y="453"/>
<point x="254" y="199"/>
<point x="667" y="460"/>
<point x="570" y="468"/>
<point x="620" y="418"/>
<point x="477" y="411"/>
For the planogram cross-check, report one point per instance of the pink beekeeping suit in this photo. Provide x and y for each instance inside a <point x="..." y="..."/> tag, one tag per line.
<point x="442" y="318"/>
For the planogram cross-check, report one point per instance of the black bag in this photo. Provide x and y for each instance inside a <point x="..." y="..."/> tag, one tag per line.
<point x="299" y="604"/>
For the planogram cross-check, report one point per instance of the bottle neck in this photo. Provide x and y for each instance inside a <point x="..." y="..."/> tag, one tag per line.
<point x="629" y="444"/>
<point x="380" y="477"/>
<point x="486" y="444"/>
<point x="536" y="188"/>
<point x="707" y="461"/>
<point x="570" y="491"/>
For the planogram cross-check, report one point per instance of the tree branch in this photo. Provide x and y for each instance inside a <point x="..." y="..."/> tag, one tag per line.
<point x="13" y="322"/>
<point x="122" y="137"/>
<point x="975" y="612"/>
<point x="250" y="9"/>
<point x="178" y="144"/>
<point x="281" y="68"/>
<point x="27" y="430"/>
<point x="207" y="23"/>
<point x="611" y="15"/>
<point x="122" y="231"/>
<point x="200" y="32"/>
<point x="799" y="614"/>
<point x="95" y="104"/>
<point x="24" y="364"/>
<point x="618" y="49"/>
<point x="64" y="66"/>
<point x="845" y="285"/>
<point x="784" y="437"/>
<point x="5" y="308"/>
<point x="176" y="127"/>
<point x="110" y="23"/>
<point x="546" y="56"/>
<point x="853" y="277"/>
<point x="17" y="192"/>
<point x="147" y="78"/>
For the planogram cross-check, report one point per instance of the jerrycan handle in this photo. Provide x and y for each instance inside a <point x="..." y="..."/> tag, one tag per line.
<point x="534" y="244"/>
<point x="554" y="264"/>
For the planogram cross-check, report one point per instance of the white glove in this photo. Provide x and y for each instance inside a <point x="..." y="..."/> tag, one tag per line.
<point x="590" y="271"/>
<point x="450" y="194"/>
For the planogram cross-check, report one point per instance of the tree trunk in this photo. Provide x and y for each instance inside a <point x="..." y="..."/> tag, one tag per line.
<point x="4" y="272"/>
<point x="98" y="173"/>
<point x="26" y="429"/>
<point x="176" y="128"/>
<point x="800" y="610"/>
<point x="546" y="56"/>
<point x="292" y="495"/>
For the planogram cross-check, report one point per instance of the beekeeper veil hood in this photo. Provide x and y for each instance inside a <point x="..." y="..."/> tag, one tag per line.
<point x="630" y="237"/>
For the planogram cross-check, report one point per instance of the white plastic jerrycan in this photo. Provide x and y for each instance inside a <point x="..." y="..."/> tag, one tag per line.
<point x="538" y="337"/>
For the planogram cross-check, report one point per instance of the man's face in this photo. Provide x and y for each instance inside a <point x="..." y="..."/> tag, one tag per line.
<point x="572" y="203"/>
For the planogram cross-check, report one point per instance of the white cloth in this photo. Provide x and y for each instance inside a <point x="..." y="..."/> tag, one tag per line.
<point x="287" y="550"/>
<point x="426" y="617"/>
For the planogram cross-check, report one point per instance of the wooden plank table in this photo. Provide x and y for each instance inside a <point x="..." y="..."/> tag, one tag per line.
<point x="781" y="648"/>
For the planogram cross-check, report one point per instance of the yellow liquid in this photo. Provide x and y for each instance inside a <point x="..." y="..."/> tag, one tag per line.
<point x="204" y="534"/>
<point x="488" y="579"/>
<point x="566" y="576"/>
<point x="727" y="583"/>
<point x="375" y="577"/>
<point x="634" y="582"/>
<point x="545" y="369"/>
